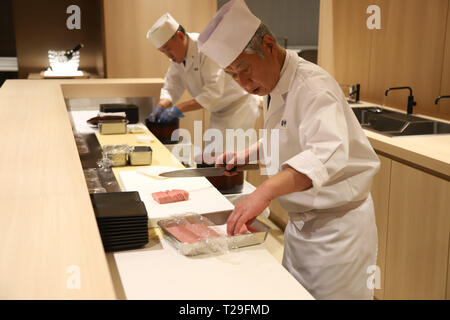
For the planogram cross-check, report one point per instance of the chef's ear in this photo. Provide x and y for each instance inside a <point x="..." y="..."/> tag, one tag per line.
<point x="268" y="43"/>
<point x="180" y="35"/>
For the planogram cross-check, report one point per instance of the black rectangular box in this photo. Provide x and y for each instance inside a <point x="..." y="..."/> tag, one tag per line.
<point x="131" y="110"/>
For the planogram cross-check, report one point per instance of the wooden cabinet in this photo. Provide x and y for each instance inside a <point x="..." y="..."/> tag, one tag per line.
<point x="380" y="195"/>
<point x="413" y="221"/>
<point x="448" y="271"/>
<point x="418" y="233"/>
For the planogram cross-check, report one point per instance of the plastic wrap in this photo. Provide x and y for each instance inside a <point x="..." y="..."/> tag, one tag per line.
<point x="211" y="236"/>
<point x="93" y="181"/>
<point x="82" y="146"/>
<point x="194" y="234"/>
<point x="118" y="153"/>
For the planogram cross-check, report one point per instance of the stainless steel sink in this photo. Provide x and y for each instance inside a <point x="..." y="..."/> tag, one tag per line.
<point x="393" y="123"/>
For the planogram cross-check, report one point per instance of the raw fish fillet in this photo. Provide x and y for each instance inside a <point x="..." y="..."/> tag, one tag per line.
<point x="192" y="232"/>
<point x="170" y="196"/>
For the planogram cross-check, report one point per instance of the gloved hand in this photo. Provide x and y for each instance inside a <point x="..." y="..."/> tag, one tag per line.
<point x="171" y="114"/>
<point x="154" y="116"/>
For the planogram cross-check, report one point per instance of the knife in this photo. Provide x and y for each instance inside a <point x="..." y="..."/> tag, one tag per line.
<point x="206" y="172"/>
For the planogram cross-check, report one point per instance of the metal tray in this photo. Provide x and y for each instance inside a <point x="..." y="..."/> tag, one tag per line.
<point x="113" y="126"/>
<point x="118" y="153"/>
<point x="219" y="244"/>
<point x="141" y="156"/>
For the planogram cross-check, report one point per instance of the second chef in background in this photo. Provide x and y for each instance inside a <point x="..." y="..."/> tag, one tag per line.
<point x="231" y="107"/>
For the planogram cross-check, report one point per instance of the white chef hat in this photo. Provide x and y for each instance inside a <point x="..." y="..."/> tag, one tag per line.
<point x="229" y="31"/>
<point x="162" y="30"/>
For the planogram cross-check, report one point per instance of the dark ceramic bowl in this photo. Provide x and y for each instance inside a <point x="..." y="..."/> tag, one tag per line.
<point x="163" y="131"/>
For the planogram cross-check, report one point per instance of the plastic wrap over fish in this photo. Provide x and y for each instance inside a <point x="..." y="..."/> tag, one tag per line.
<point x="194" y="234"/>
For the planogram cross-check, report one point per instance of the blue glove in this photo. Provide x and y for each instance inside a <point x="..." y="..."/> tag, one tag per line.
<point x="171" y="114"/>
<point x="154" y="116"/>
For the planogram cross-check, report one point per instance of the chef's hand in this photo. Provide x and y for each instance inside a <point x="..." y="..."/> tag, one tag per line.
<point x="246" y="211"/>
<point x="171" y="114"/>
<point x="154" y="116"/>
<point x="230" y="160"/>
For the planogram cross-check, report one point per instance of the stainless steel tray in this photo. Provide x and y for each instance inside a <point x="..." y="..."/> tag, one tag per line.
<point x="113" y="126"/>
<point x="216" y="244"/>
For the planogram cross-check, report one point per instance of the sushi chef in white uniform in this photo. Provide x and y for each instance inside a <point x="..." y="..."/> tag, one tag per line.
<point x="326" y="162"/>
<point x="230" y="106"/>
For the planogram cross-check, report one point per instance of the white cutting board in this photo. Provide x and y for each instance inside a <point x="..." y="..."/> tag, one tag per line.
<point x="203" y="196"/>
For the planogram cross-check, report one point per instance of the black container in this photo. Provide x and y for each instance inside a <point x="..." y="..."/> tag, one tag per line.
<point x="131" y="110"/>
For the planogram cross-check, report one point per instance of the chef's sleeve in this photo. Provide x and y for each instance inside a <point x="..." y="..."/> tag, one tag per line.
<point x="173" y="85"/>
<point x="214" y="86"/>
<point x="322" y="133"/>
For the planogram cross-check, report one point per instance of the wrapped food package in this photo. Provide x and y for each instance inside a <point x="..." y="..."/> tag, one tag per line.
<point x="194" y="234"/>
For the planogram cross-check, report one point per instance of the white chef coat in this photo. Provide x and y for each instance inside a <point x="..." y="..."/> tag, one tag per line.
<point x="231" y="107"/>
<point x="331" y="238"/>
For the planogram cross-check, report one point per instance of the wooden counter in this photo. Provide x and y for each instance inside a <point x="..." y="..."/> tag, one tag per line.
<point x="50" y="247"/>
<point x="429" y="152"/>
<point x="49" y="239"/>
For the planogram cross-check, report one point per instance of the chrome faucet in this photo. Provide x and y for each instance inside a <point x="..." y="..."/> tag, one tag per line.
<point x="411" y="102"/>
<point x="439" y="98"/>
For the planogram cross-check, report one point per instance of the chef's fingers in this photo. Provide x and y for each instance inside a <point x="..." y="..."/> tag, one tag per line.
<point x="230" y="173"/>
<point x="230" y="161"/>
<point x="239" y="226"/>
<point x="230" y="166"/>
<point x="220" y="160"/>
<point x="231" y="222"/>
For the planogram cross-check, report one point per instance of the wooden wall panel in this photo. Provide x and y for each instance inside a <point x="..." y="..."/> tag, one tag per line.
<point x="443" y="108"/>
<point x="325" y="54"/>
<point x="408" y="51"/>
<point x="130" y="55"/>
<point x="350" y="68"/>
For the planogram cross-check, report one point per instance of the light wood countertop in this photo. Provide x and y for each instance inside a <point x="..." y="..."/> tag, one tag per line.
<point x="49" y="240"/>
<point x="47" y="224"/>
<point x="48" y="231"/>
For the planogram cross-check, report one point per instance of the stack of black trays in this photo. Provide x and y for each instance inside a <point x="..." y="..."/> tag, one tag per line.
<point x="122" y="220"/>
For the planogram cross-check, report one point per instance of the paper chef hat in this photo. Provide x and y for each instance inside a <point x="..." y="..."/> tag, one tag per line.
<point x="229" y="31"/>
<point x="162" y="30"/>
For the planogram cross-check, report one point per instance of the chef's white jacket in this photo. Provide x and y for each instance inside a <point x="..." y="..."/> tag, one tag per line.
<point x="331" y="237"/>
<point x="231" y="107"/>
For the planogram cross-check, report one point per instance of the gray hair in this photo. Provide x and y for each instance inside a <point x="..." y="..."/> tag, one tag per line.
<point x="254" y="46"/>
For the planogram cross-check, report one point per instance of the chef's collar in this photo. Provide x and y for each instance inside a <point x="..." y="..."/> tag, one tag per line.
<point x="190" y="53"/>
<point x="286" y="74"/>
